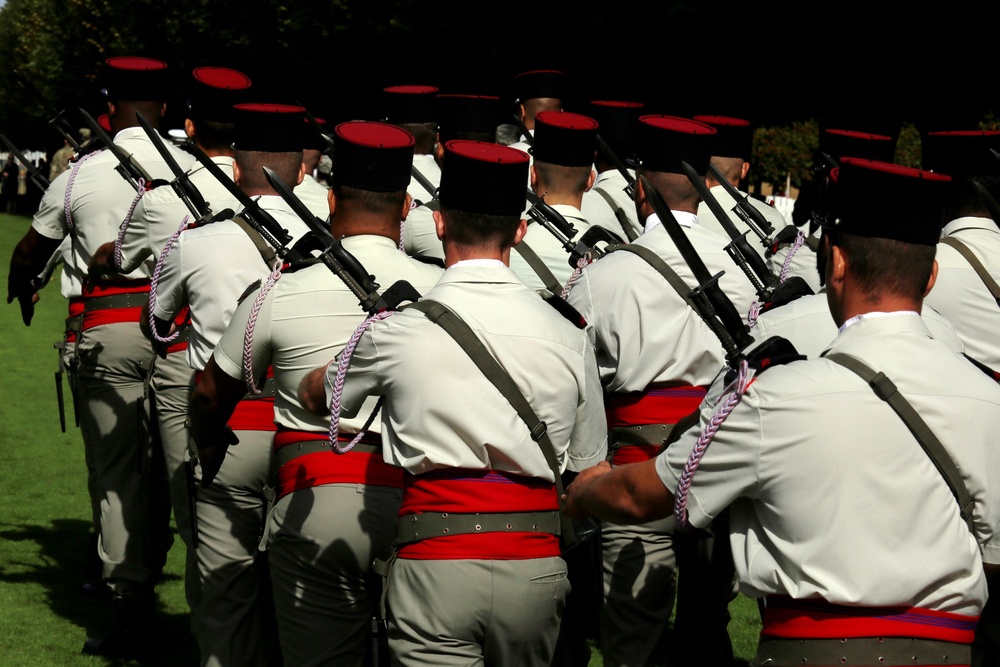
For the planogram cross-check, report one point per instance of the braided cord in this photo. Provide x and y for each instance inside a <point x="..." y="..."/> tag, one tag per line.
<point x="799" y="240"/>
<point x="737" y="388"/>
<point x="577" y="272"/>
<point x="251" y="323"/>
<point x="117" y="260"/>
<point x="755" y="308"/>
<point x="338" y="386"/>
<point x="155" y="280"/>
<point x="67" y="198"/>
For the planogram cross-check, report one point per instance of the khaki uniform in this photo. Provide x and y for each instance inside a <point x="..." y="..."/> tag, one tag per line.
<point x="132" y="509"/>
<point x="324" y="530"/>
<point x="314" y="195"/>
<point x="959" y="293"/>
<point x="548" y="248"/>
<point x="596" y="209"/>
<point x="820" y="535"/>
<point x="208" y="269"/>
<point x="656" y="357"/>
<point x="496" y="597"/>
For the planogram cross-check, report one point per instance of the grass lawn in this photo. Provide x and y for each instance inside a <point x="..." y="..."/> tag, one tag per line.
<point x="45" y="522"/>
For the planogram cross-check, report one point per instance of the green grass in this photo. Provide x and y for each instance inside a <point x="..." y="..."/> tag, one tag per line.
<point x="45" y="524"/>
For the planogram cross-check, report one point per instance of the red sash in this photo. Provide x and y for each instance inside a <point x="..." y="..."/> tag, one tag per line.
<point x="251" y="414"/>
<point x="318" y="468"/>
<point x="817" y="619"/>
<point x="466" y="491"/>
<point x="103" y="316"/>
<point x="661" y="405"/>
<point x="183" y="319"/>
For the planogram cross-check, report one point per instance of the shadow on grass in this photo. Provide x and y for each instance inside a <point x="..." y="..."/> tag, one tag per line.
<point x="60" y="569"/>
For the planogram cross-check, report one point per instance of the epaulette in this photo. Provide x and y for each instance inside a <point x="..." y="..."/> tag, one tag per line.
<point x="788" y="291"/>
<point x="155" y="183"/>
<point x="251" y="288"/>
<point x="292" y="267"/>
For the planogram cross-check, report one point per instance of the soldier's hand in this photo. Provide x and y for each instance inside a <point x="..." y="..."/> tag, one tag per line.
<point x="573" y="499"/>
<point x="101" y="263"/>
<point x="212" y="452"/>
<point x="26" y="294"/>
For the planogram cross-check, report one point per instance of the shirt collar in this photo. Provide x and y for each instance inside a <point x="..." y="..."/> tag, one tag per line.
<point x="684" y="219"/>
<point x="864" y="316"/>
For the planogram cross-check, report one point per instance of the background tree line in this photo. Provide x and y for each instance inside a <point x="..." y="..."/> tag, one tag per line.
<point x="788" y="73"/>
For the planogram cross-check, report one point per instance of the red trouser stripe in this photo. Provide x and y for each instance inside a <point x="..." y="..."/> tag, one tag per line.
<point x="817" y="619"/>
<point x="664" y="405"/>
<point x="468" y="491"/>
<point x="319" y="468"/>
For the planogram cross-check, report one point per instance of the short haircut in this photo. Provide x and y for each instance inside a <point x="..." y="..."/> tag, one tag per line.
<point x="424" y="136"/>
<point x="537" y="105"/>
<point x="563" y="179"/>
<point x="884" y="267"/>
<point x="369" y="201"/>
<point x="675" y="189"/>
<point x="480" y="230"/>
<point x="730" y="167"/>
<point x="213" y="134"/>
<point x="285" y="165"/>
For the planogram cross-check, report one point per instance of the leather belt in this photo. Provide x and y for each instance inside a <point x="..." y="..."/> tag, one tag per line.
<point x="124" y="300"/>
<point x="415" y="527"/>
<point x="296" y="449"/>
<point x="860" y="652"/>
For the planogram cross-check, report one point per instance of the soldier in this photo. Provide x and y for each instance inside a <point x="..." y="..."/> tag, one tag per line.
<point x="460" y="116"/>
<point x="536" y="91"/>
<point x="208" y="123"/>
<point x="311" y="191"/>
<point x="88" y="203"/>
<point x="608" y="203"/>
<point x="820" y="515"/>
<point x="657" y="357"/>
<point x="415" y="109"/>
<point x="206" y="270"/>
<point x="332" y="514"/>
<point x="476" y="575"/>
<point x="966" y="291"/>
<point x="562" y="170"/>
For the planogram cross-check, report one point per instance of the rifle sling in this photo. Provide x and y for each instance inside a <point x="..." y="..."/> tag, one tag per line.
<point x="657" y="263"/>
<point x="620" y="215"/>
<point x="495" y="373"/>
<point x="538" y="266"/>
<point x="267" y="253"/>
<point x="971" y="258"/>
<point x="886" y="390"/>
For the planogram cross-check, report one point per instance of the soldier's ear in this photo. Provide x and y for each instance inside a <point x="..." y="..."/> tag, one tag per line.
<point x="302" y="172"/>
<point x="438" y="224"/>
<point x="236" y="173"/>
<point x="522" y="229"/>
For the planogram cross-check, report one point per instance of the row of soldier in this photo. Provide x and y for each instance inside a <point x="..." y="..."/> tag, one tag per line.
<point x="308" y="446"/>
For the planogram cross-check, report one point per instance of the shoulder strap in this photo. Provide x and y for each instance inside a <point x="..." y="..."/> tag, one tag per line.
<point x="886" y="390"/>
<point x="538" y="266"/>
<point x="263" y="247"/>
<point x="971" y="258"/>
<point x="657" y="263"/>
<point x="620" y="215"/>
<point x="491" y="368"/>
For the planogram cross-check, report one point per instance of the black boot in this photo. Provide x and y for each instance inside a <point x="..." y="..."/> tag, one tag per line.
<point x="133" y="632"/>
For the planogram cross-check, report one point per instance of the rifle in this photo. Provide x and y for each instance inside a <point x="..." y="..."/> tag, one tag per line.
<point x="341" y="262"/>
<point x="771" y="290"/>
<point x="58" y="119"/>
<point x="128" y="167"/>
<point x="708" y="299"/>
<point x="746" y="211"/>
<point x="261" y="221"/>
<point x="530" y="140"/>
<point x="603" y="146"/>
<point x="564" y="231"/>
<point x="181" y="184"/>
<point x="423" y="180"/>
<point x="36" y="177"/>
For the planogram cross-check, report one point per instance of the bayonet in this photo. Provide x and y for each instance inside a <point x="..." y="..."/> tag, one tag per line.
<point x="605" y="149"/>
<point x="181" y="184"/>
<point x="37" y="178"/>
<point x="58" y="118"/>
<point x="424" y="181"/>
<point x="530" y="140"/>
<point x="708" y="299"/>
<point x="746" y="211"/>
<point x="128" y="166"/>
